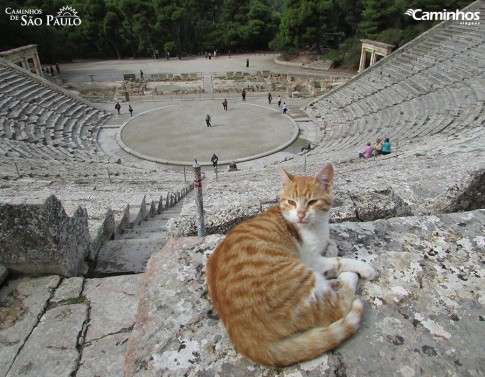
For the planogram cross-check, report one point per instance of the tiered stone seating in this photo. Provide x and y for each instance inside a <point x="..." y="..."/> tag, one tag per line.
<point x="35" y="111"/>
<point x="433" y="85"/>
<point x="115" y="197"/>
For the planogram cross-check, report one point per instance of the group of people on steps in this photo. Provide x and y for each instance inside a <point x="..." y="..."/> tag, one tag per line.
<point x="381" y="147"/>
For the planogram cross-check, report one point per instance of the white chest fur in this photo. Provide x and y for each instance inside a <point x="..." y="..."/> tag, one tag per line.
<point x="315" y="239"/>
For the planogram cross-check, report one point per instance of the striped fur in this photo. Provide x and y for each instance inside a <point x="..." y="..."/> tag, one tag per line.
<point x="266" y="279"/>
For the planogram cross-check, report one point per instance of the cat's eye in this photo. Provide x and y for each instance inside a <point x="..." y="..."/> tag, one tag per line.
<point x="312" y="202"/>
<point x="291" y="202"/>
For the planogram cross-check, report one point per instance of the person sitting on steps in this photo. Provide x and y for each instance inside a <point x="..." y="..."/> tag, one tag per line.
<point x="367" y="153"/>
<point x="386" y="146"/>
<point x="378" y="147"/>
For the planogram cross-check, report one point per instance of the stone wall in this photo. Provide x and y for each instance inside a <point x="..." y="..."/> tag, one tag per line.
<point x="38" y="237"/>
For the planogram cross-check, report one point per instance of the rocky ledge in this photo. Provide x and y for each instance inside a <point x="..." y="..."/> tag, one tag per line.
<point x="424" y="313"/>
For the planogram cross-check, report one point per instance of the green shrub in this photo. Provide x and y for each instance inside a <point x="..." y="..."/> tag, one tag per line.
<point x="336" y="56"/>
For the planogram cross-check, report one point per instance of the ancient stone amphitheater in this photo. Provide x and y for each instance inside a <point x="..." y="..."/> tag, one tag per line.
<point x="76" y="228"/>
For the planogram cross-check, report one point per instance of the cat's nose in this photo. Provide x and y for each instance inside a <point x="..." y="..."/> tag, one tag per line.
<point x="300" y="215"/>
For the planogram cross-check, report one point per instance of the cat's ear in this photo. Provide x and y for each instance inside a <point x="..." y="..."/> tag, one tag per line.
<point x="325" y="178"/>
<point x="286" y="178"/>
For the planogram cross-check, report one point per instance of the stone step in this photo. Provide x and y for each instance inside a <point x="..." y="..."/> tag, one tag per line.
<point x="152" y="226"/>
<point x="147" y="229"/>
<point x="127" y="255"/>
<point x="129" y="252"/>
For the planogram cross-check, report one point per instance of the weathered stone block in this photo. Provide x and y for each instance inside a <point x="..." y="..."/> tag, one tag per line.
<point x="69" y="290"/>
<point x="52" y="348"/>
<point x="372" y="205"/>
<point x="22" y="302"/>
<point x="37" y="237"/>
<point x="467" y="195"/>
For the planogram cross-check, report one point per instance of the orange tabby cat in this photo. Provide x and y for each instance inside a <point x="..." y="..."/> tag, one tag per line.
<point x="268" y="278"/>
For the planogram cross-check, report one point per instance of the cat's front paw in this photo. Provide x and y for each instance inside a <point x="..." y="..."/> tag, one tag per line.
<point x="368" y="272"/>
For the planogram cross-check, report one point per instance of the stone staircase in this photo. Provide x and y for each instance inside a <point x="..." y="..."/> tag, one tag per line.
<point x="88" y="211"/>
<point x="207" y="84"/>
<point x="129" y="252"/>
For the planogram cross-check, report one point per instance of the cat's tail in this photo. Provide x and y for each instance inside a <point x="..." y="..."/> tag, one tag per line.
<point x="315" y="342"/>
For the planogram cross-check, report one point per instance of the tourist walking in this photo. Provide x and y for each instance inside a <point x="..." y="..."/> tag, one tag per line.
<point x="214" y="160"/>
<point x="285" y="108"/>
<point x="118" y="107"/>
<point x="224" y="104"/>
<point x="208" y="120"/>
<point x="58" y="68"/>
<point x="247" y="63"/>
<point x="243" y="94"/>
<point x="141" y="74"/>
<point x="386" y="147"/>
<point x="130" y="109"/>
<point x="279" y="101"/>
<point x="306" y="147"/>
<point x="270" y="98"/>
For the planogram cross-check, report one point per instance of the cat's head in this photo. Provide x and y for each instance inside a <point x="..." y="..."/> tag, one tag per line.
<point x="307" y="200"/>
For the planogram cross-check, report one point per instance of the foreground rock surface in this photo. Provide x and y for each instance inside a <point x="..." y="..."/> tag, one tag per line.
<point x="424" y="314"/>
<point x="66" y="327"/>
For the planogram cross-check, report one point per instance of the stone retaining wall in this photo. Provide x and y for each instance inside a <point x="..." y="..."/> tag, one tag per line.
<point x="38" y="237"/>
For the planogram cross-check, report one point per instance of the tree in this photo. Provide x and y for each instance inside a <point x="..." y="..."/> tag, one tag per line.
<point x="90" y="37"/>
<point x="137" y="27"/>
<point x="260" y="26"/>
<point x="374" y="16"/>
<point x="170" y="16"/>
<point x="112" y="28"/>
<point x="304" y="24"/>
<point x="347" y="15"/>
